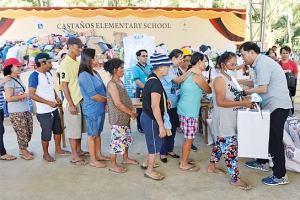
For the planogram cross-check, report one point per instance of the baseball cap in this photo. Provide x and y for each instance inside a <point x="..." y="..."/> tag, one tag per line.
<point x="75" y="40"/>
<point x="41" y="57"/>
<point x="12" y="61"/>
<point x="160" y="60"/>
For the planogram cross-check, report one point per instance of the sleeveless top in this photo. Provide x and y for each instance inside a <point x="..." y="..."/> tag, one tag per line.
<point x="224" y="120"/>
<point x="190" y="98"/>
<point x="116" y="116"/>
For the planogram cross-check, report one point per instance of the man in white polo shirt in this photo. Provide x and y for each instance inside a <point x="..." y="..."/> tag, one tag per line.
<point x="42" y="91"/>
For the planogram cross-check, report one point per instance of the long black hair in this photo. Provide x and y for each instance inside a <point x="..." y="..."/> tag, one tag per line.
<point x="86" y="61"/>
<point x="195" y="59"/>
<point x="112" y="64"/>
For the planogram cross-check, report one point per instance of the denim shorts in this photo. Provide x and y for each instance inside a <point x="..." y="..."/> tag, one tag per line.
<point x="95" y="124"/>
<point x="151" y="130"/>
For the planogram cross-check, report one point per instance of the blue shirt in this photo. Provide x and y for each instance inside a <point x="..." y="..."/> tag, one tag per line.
<point x="90" y="86"/>
<point x="140" y="72"/>
<point x="171" y="88"/>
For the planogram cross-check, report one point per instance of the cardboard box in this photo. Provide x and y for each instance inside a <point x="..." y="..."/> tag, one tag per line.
<point x="119" y="38"/>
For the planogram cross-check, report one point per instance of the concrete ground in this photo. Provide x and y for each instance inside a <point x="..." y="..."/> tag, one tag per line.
<point x="36" y="179"/>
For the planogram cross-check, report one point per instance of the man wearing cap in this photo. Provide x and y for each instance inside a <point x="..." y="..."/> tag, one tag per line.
<point x="42" y="91"/>
<point x="140" y="73"/>
<point x="73" y="115"/>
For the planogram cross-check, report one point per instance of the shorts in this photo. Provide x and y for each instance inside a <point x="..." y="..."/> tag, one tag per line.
<point x="189" y="126"/>
<point x="120" y="139"/>
<point x="49" y="122"/>
<point x="95" y="124"/>
<point x="75" y="124"/>
<point x="151" y="130"/>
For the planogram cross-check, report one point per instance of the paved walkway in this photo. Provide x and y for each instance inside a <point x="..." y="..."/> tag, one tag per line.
<point x="38" y="180"/>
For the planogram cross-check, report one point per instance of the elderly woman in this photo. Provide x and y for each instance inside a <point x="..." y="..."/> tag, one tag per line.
<point x="94" y="95"/>
<point x="120" y="110"/>
<point x="188" y="109"/>
<point x="171" y="83"/>
<point x="152" y="115"/>
<point x="18" y="109"/>
<point x="228" y="99"/>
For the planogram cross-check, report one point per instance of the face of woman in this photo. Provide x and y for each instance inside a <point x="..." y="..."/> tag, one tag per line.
<point x="177" y="61"/>
<point x="186" y="61"/>
<point x="15" y="69"/>
<point x="201" y="64"/>
<point x="230" y="64"/>
<point x="95" y="61"/>
<point x="119" y="71"/>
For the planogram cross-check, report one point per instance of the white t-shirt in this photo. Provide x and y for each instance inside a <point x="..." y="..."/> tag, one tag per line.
<point x="43" y="83"/>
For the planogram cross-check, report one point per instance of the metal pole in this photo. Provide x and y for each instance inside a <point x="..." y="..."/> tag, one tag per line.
<point x="250" y="17"/>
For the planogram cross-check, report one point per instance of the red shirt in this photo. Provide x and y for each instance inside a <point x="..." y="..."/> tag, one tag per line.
<point x="290" y="65"/>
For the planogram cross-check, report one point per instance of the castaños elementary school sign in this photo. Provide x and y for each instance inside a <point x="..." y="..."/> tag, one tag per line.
<point x="175" y="27"/>
<point x="83" y="25"/>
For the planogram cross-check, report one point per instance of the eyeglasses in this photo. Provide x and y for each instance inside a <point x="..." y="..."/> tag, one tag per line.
<point x="144" y="56"/>
<point x="47" y="79"/>
<point x="186" y="61"/>
<point x="232" y="64"/>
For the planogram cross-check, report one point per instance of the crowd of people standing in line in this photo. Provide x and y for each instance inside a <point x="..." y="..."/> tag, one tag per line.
<point x="175" y="81"/>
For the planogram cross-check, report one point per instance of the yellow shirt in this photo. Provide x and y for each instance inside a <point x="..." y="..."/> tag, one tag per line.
<point x="69" y="73"/>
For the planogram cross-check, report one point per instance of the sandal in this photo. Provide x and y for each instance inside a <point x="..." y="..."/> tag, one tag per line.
<point x="122" y="170"/>
<point x="192" y="168"/>
<point x="154" y="176"/>
<point x="49" y="160"/>
<point x="131" y="162"/>
<point x="173" y="155"/>
<point x="79" y="162"/>
<point x="27" y="157"/>
<point x="242" y="186"/>
<point x="85" y="153"/>
<point x="8" y="158"/>
<point x="63" y="153"/>
<point x="146" y="167"/>
<point x="218" y="171"/>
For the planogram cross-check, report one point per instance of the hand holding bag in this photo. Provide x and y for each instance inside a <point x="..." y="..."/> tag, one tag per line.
<point x="166" y="118"/>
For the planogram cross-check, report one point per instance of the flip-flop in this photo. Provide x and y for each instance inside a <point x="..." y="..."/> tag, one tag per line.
<point x="105" y="159"/>
<point x="154" y="176"/>
<point x="63" y="153"/>
<point x="219" y="171"/>
<point x="9" y="158"/>
<point x="79" y="162"/>
<point x="191" y="162"/>
<point x="27" y="158"/>
<point x="85" y="153"/>
<point x="192" y="168"/>
<point x="30" y="152"/>
<point x="242" y="186"/>
<point x="134" y="162"/>
<point x="97" y="166"/>
<point x="49" y="160"/>
<point x="113" y="170"/>
<point x="146" y="167"/>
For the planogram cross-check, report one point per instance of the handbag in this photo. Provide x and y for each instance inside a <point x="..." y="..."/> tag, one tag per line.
<point x="166" y="118"/>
